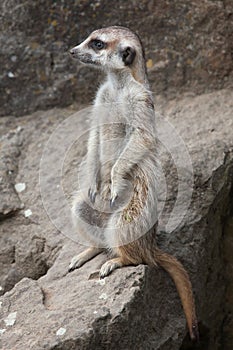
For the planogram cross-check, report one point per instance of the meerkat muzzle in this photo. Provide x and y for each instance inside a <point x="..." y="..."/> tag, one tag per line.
<point x="72" y="51"/>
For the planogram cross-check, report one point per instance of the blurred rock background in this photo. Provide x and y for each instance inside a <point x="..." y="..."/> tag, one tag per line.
<point x="188" y="47"/>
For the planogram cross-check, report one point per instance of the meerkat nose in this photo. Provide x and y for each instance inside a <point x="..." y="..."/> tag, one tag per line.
<point x="72" y="51"/>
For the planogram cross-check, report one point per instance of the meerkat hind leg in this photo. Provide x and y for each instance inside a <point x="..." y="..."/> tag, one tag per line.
<point x="111" y="265"/>
<point x="80" y="259"/>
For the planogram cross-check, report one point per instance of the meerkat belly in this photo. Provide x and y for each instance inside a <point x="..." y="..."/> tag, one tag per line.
<point x="113" y="138"/>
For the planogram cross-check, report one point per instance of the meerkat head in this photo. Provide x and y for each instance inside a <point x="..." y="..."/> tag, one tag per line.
<point x="112" y="48"/>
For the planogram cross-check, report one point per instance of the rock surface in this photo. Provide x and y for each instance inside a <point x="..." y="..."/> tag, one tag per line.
<point x="44" y="307"/>
<point x="186" y="44"/>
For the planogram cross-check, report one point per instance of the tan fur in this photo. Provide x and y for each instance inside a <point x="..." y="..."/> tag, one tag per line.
<point x="125" y="101"/>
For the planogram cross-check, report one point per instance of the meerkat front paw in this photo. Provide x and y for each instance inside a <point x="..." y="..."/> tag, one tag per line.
<point x="121" y="189"/>
<point x="92" y="192"/>
<point x="94" y="188"/>
<point x="114" y="189"/>
<point x="113" y="198"/>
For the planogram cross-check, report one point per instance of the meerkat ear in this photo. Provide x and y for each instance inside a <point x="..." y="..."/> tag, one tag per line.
<point x="128" y="55"/>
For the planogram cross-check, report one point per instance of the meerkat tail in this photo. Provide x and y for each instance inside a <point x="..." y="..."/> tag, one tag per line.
<point x="184" y="288"/>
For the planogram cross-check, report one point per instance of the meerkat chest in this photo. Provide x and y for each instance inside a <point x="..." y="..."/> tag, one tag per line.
<point x="116" y="105"/>
<point x="112" y="112"/>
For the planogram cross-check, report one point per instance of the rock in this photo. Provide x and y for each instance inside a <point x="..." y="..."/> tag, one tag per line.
<point x="135" y="307"/>
<point x="188" y="48"/>
<point x="32" y="254"/>
<point x="209" y="142"/>
<point x="10" y="151"/>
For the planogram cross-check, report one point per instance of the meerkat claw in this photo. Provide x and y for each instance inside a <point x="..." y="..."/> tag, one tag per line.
<point x="70" y="269"/>
<point x="92" y="195"/>
<point x="112" y="201"/>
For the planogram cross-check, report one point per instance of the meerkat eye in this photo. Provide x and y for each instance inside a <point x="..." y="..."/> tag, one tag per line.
<point x="97" y="44"/>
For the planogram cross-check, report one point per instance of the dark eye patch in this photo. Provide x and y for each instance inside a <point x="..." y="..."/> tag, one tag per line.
<point x="97" y="44"/>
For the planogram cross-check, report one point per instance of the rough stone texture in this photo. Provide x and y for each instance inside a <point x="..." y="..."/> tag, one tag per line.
<point x="228" y="246"/>
<point x="32" y="254"/>
<point x="10" y="151"/>
<point x="188" y="45"/>
<point x="137" y="307"/>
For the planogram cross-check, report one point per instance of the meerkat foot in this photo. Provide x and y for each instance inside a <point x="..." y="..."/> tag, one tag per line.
<point x="110" y="266"/>
<point x="80" y="259"/>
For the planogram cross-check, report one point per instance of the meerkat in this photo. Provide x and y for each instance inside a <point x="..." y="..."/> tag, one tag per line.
<point x="118" y="210"/>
